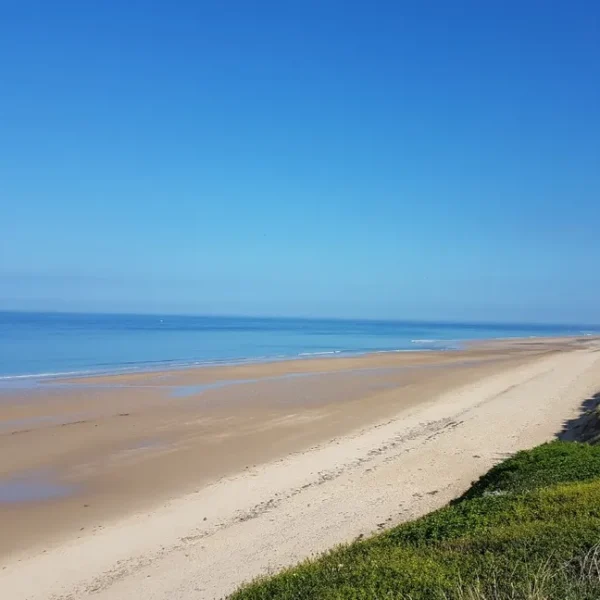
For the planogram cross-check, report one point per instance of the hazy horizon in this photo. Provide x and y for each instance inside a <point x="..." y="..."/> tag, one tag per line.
<point x="291" y="317"/>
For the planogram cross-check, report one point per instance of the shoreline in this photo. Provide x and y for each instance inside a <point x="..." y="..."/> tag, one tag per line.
<point x="375" y="472"/>
<point x="162" y="367"/>
<point x="453" y="345"/>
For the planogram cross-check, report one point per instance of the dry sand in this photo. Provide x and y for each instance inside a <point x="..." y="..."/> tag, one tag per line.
<point x="180" y="492"/>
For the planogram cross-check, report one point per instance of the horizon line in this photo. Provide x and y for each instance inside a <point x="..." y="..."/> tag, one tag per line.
<point x="415" y="321"/>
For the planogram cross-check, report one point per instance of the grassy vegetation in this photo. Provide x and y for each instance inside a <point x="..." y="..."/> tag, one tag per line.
<point x="528" y="530"/>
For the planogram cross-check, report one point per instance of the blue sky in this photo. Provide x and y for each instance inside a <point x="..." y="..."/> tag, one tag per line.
<point x="412" y="160"/>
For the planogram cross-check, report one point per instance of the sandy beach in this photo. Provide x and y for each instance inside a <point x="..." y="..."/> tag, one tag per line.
<point x="184" y="484"/>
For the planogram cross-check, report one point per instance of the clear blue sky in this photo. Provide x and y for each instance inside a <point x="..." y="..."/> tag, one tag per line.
<point x="412" y="160"/>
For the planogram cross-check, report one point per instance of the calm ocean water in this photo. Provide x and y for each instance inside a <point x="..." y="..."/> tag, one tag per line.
<point x="56" y="343"/>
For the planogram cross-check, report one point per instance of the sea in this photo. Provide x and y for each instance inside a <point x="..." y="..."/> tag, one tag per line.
<point x="55" y="344"/>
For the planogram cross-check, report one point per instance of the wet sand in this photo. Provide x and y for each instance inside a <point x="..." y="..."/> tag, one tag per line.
<point x="80" y="456"/>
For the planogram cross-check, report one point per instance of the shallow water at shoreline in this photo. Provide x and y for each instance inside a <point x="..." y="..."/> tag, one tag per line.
<point x="60" y="344"/>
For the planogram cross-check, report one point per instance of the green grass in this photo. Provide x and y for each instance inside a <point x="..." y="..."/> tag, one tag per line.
<point x="549" y="464"/>
<point x="529" y="529"/>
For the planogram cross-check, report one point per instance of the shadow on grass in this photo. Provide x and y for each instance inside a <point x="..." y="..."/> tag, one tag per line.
<point x="586" y="425"/>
